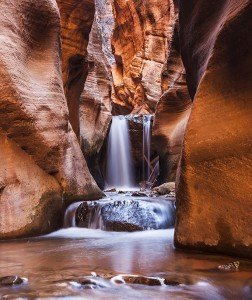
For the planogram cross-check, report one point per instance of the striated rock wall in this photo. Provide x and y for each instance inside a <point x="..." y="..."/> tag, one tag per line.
<point x="95" y="101"/>
<point x="214" y="202"/>
<point x="76" y="18"/>
<point x="140" y="44"/>
<point x="38" y="144"/>
<point x="172" y="113"/>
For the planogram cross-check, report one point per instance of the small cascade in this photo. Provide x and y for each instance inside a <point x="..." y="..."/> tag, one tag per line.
<point x="146" y="147"/>
<point x="126" y="214"/>
<point x="69" y="218"/>
<point x="119" y="172"/>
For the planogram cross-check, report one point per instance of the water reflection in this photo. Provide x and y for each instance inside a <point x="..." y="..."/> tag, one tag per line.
<point x="50" y="262"/>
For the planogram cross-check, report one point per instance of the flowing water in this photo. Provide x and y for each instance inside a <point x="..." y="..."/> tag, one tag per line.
<point x="55" y="263"/>
<point x="119" y="172"/>
<point x="146" y="146"/>
<point x="90" y="263"/>
<point x="123" y="213"/>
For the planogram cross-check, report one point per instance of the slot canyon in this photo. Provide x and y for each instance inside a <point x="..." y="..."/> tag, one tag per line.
<point x="125" y="149"/>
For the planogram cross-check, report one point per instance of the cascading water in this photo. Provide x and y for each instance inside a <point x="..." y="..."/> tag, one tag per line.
<point x="122" y="213"/>
<point x="119" y="173"/>
<point x="146" y="147"/>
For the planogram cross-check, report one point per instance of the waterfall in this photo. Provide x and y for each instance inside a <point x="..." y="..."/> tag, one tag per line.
<point x="119" y="172"/>
<point x="146" y="147"/>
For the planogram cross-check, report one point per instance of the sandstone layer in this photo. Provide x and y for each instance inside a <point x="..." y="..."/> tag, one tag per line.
<point x="95" y="101"/>
<point x="34" y="123"/>
<point x="214" y="204"/>
<point x="172" y="113"/>
<point x="76" y="17"/>
<point x="140" y="43"/>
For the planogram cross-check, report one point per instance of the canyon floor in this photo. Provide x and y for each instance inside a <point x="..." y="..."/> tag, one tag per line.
<point x="78" y="263"/>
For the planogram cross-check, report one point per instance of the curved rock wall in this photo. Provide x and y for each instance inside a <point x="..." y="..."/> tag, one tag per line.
<point x="172" y="113"/>
<point x="37" y="141"/>
<point x="95" y="101"/>
<point x="214" y="204"/>
<point x="76" y="18"/>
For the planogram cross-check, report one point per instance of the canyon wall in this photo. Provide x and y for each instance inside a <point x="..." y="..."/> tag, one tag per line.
<point x="214" y="204"/>
<point x="76" y="17"/>
<point x="42" y="167"/>
<point x="128" y="50"/>
<point x="140" y="43"/>
<point x="172" y="113"/>
<point x="95" y="101"/>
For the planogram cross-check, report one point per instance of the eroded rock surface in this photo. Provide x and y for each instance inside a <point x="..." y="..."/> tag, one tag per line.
<point x="76" y="17"/>
<point x="95" y="101"/>
<point x="140" y="45"/>
<point x="214" y="202"/>
<point x="38" y="144"/>
<point x="172" y="112"/>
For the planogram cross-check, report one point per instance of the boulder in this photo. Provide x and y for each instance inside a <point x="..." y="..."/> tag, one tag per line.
<point x="125" y="215"/>
<point x="165" y="188"/>
<point x="30" y="199"/>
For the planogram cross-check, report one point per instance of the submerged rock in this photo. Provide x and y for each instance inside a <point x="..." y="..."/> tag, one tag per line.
<point x="137" y="279"/>
<point x="139" y="194"/>
<point x="126" y="215"/>
<point x="233" y="266"/>
<point x="12" y="280"/>
<point x="90" y="282"/>
<point x="113" y="190"/>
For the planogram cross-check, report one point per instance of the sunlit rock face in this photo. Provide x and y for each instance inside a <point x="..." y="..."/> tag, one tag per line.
<point x="30" y="198"/>
<point x="172" y="113"/>
<point x="213" y="188"/>
<point x="140" y="45"/>
<point x="76" y="18"/>
<point x="95" y="102"/>
<point x="34" y="123"/>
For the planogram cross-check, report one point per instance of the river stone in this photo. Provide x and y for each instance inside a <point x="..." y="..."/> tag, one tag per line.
<point x="11" y="280"/>
<point x="125" y="215"/>
<point x="165" y="188"/>
<point x="137" y="279"/>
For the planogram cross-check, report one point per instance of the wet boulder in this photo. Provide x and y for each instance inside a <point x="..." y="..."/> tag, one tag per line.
<point x="12" y="280"/>
<point x="126" y="215"/>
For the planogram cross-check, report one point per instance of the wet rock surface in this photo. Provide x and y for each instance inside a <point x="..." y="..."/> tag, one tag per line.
<point x="130" y="214"/>
<point x="12" y="280"/>
<point x="231" y="267"/>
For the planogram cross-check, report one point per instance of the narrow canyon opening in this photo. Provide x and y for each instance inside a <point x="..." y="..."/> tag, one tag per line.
<point x="125" y="149"/>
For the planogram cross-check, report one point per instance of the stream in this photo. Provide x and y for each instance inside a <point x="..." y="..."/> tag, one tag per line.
<point x="84" y="263"/>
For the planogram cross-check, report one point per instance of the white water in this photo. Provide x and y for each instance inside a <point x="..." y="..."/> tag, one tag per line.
<point x="146" y="147"/>
<point x="119" y="173"/>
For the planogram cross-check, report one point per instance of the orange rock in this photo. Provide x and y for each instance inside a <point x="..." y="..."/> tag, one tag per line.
<point x="34" y="123"/>
<point x="76" y="18"/>
<point x="95" y="101"/>
<point x="214" y="204"/>
<point x="140" y="46"/>
<point x="172" y="113"/>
